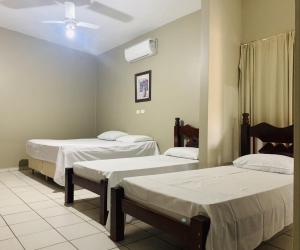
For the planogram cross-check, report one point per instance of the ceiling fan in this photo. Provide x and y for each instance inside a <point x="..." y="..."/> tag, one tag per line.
<point x="70" y="21"/>
<point x="92" y="5"/>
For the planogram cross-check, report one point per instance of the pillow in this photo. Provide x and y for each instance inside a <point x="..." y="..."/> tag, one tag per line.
<point x="111" y="135"/>
<point x="183" y="152"/>
<point x="266" y="162"/>
<point x="134" y="138"/>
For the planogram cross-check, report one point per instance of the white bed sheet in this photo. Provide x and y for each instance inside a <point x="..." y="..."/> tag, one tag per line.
<point x="47" y="150"/>
<point x="67" y="156"/>
<point x="246" y="207"/>
<point x="117" y="169"/>
<point x="65" y="152"/>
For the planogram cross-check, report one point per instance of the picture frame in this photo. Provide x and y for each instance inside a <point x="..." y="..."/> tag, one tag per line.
<point x="143" y="86"/>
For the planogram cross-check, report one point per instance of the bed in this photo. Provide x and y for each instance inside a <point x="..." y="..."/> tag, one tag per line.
<point x="100" y="176"/>
<point x="51" y="157"/>
<point x="218" y="208"/>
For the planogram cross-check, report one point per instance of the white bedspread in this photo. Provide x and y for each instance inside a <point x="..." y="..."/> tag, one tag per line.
<point x="246" y="207"/>
<point x="67" y="156"/>
<point x="47" y="150"/>
<point x="65" y="152"/>
<point x="117" y="169"/>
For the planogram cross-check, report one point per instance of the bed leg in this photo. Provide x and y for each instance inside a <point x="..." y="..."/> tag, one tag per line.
<point x="117" y="219"/>
<point x="199" y="231"/>
<point x="103" y="201"/>
<point x="69" y="186"/>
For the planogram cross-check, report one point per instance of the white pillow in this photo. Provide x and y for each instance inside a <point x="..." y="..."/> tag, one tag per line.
<point x="134" y="138"/>
<point x="183" y="152"/>
<point x="266" y="162"/>
<point x="111" y="135"/>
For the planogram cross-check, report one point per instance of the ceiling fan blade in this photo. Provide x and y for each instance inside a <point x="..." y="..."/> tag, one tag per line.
<point x="21" y="4"/>
<point x="110" y="12"/>
<point x="53" y="22"/>
<point x="87" y="25"/>
<point x="77" y="2"/>
<point x="69" y="10"/>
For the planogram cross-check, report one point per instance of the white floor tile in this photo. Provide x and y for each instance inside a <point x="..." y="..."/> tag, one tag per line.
<point x="61" y="246"/>
<point x="42" y="204"/>
<point x="30" y="227"/>
<point x="21" y="217"/>
<point x="53" y="211"/>
<point x="36" y="196"/>
<point x="14" y="209"/>
<point x="82" y="205"/>
<point x="95" y="242"/>
<point x="13" y="200"/>
<point x="5" y="233"/>
<point x="42" y="239"/>
<point x="97" y="225"/>
<point x="64" y="220"/>
<point x="11" y="244"/>
<point x="77" y="230"/>
<point x="2" y="222"/>
<point x="151" y="244"/>
<point x="133" y="233"/>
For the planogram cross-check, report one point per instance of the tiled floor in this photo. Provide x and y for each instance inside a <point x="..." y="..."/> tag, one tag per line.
<point x="33" y="216"/>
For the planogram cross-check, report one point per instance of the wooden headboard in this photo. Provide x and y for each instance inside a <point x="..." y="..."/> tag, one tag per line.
<point x="185" y="135"/>
<point x="275" y="140"/>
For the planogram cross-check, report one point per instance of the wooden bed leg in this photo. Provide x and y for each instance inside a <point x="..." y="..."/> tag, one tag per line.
<point x="199" y="231"/>
<point x="103" y="201"/>
<point x="69" y="186"/>
<point x="117" y="219"/>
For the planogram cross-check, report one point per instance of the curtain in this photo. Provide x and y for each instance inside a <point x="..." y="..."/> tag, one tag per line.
<point x="266" y="80"/>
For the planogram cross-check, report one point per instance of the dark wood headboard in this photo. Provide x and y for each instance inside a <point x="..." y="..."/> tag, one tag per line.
<point x="185" y="135"/>
<point x="275" y="140"/>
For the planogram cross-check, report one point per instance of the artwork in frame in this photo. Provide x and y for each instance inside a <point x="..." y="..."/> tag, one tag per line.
<point x="143" y="86"/>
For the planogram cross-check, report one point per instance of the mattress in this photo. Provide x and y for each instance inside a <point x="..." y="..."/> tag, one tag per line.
<point x="117" y="169"/>
<point x="65" y="152"/>
<point x="246" y="207"/>
<point x="68" y="155"/>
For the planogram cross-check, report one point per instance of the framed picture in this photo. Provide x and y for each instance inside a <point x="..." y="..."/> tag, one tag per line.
<point x="143" y="86"/>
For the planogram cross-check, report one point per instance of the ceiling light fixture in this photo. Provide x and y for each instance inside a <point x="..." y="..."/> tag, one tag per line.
<point x="70" y="30"/>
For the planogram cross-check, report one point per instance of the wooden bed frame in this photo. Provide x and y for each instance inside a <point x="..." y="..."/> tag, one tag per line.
<point x="180" y="134"/>
<point x="192" y="236"/>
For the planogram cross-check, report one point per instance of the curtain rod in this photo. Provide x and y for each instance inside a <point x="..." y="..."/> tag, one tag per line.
<point x="267" y="38"/>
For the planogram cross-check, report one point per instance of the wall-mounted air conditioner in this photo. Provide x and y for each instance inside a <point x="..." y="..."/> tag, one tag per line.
<point x="141" y="50"/>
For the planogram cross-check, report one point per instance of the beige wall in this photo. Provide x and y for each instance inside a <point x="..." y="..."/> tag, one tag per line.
<point x="263" y="18"/>
<point x="46" y="91"/>
<point x="222" y="37"/>
<point x="297" y="133"/>
<point x="175" y="83"/>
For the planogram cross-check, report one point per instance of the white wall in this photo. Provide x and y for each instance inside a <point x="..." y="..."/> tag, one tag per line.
<point x="175" y="83"/>
<point x="46" y="91"/>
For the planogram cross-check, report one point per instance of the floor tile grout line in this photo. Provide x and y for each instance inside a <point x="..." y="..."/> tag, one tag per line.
<point x="99" y="231"/>
<point x="150" y="236"/>
<point x="44" y="231"/>
<point x="17" y="238"/>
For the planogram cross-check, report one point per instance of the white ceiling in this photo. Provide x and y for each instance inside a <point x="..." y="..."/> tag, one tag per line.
<point x="146" y="15"/>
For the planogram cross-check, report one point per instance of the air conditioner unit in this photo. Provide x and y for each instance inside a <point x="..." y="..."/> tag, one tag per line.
<point x="141" y="50"/>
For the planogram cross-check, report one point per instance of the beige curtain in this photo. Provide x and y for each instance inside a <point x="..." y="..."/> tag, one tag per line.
<point x="266" y="79"/>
